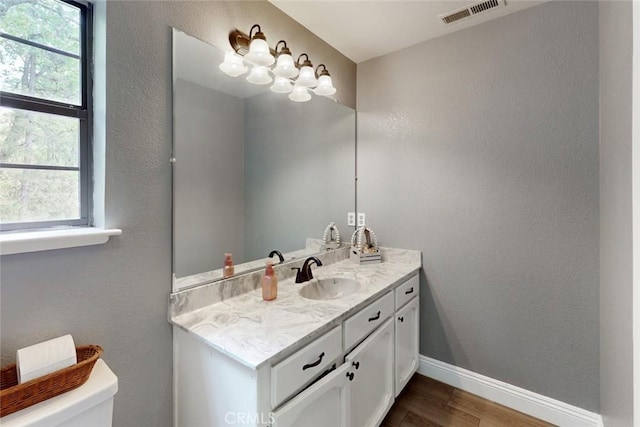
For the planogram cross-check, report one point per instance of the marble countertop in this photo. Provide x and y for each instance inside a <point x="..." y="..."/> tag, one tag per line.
<point x="256" y="332"/>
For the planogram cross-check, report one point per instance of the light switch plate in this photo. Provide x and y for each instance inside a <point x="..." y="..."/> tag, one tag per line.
<point x="361" y="219"/>
<point x="351" y="218"/>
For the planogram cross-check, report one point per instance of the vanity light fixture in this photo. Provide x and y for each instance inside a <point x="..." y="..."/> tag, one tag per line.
<point x="307" y="77"/>
<point x="325" y="85"/>
<point x="285" y="67"/>
<point x="259" y="52"/>
<point x="253" y="50"/>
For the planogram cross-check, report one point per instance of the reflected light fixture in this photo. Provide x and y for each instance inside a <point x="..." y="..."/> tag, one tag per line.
<point x="300" y="94"/>
<point x="253" y="50"/>
<point x="233" y="65"/>
<point x="259" y="75"/>
<point x="281" y="85"/>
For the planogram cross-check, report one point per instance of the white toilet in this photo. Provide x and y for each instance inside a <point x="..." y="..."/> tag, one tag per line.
<point x="91" y="404"/>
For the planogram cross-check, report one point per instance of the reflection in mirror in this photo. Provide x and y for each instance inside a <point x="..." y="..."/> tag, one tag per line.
<point x="253" y="171"/>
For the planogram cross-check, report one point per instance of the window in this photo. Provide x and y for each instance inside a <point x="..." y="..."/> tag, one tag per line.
<point x="45" y="114"/>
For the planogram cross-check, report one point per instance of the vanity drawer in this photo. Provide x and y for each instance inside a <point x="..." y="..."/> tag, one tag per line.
<point x="366" y="320"/>
<point x="407" y="290"/>
<point x="301" y="367"/>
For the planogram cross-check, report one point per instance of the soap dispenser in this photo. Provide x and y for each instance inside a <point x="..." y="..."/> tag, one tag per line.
<point x="227" y="271"/>
<point x="269" y="283"/>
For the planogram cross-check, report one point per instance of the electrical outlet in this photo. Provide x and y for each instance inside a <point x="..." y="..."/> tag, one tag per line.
<point x="361" y="219"/>
<point x="351" y="218"/>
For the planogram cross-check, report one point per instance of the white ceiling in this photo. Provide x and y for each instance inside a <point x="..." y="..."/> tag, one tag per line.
<point x="366" y="29"/>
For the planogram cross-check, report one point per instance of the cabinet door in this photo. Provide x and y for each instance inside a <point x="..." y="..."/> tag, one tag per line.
<point x="407" y="343"/>
<point x="325" y="403"/>
<point x="372" y="387"/>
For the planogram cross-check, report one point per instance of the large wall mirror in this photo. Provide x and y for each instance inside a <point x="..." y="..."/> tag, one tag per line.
<point x="253" y="171"/>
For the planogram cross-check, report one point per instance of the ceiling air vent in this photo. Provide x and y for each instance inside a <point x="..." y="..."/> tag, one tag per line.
<point x="471" y="10"/>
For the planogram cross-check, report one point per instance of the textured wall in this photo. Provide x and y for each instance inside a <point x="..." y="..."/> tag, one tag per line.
<point x="208" y="179"/>
<point x="299" y="177"/>
<point x="116" y="294"/>
<point x="616" y="246"/>
<point x="481" y="150"/>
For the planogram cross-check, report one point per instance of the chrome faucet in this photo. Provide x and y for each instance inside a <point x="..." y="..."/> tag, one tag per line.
<point x="275" y="252"/>
<point x="304" y="274"/>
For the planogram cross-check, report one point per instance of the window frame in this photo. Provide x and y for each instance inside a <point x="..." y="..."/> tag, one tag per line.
<point x="83" y="112"/>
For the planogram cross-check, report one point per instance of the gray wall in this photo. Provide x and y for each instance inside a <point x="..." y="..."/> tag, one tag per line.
<point x="116" y="294"/>
<point x="208" y="179"/>
<point x="616" y="262"/>
<point x="480" y="149"/>
<point x="299" y="168"/>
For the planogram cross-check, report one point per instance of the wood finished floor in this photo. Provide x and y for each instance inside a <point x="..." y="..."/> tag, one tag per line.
<point x="427" y="402"/>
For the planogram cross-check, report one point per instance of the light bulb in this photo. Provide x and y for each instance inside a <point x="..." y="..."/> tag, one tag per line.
<point x="325" y="86"/>
<point x="259" y="75"/>
<point x="299" y="94"/>
<point x="281" y="85"/>
<point x="232" y="65"/>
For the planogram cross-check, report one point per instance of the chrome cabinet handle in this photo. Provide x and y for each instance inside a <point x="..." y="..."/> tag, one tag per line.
<point x="376" y="317"/>
<point x="314" y="364"/>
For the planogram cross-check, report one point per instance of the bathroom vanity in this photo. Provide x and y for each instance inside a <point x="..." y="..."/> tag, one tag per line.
<point x="334" y="351"/>
<point x="297" y="361"/>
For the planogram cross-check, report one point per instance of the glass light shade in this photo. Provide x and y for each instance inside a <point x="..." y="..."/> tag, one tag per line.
<point x="259" y="53"/>
<point x="285" y="67"/>
<point x="281" y="85"/>
<point x="325" y="86"/>
<point x="299" y="94"/>
<point x="307" y="77"/>
<point x="232" y="65"/>
<point x="259" y="75"/>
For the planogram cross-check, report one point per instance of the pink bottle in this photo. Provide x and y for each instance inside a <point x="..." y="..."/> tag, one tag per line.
<point x="269" y="283"/>
<point x="227" y="271"/>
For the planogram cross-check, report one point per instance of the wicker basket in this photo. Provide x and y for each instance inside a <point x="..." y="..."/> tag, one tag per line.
<point x="14" y="396"/>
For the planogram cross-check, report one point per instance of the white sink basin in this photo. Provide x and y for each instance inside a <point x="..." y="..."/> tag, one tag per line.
<point x="329" y="288"/>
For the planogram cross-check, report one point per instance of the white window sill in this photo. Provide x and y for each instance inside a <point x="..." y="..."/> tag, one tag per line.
<point x="34" y="241"/>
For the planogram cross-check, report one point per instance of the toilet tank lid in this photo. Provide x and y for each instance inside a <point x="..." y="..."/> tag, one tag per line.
<point x="101" y="385"/>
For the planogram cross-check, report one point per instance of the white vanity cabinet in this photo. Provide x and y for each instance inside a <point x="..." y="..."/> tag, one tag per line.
<point x="347" y="377"/>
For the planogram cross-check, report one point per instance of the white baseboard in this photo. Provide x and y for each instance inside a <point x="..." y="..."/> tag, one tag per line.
<point x="528" y="402"/>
